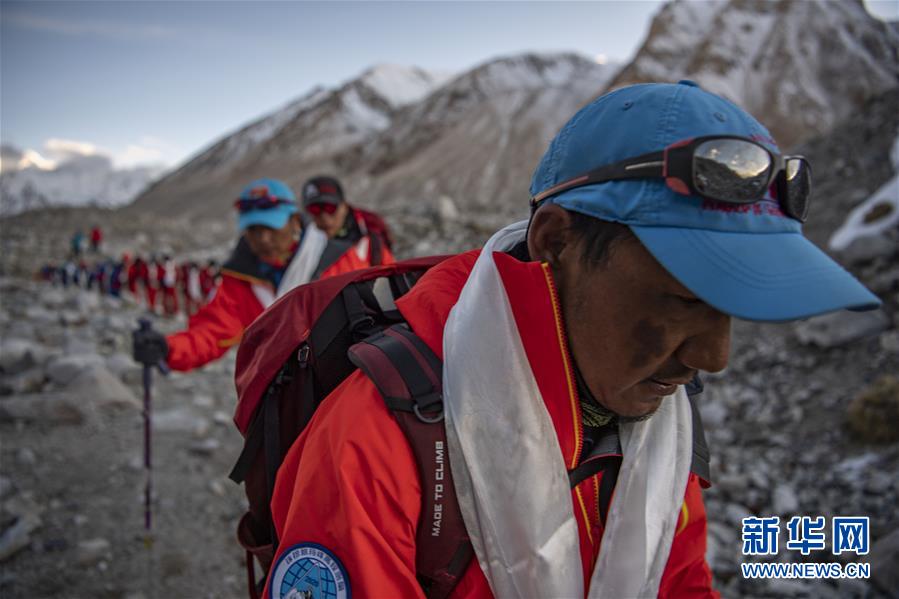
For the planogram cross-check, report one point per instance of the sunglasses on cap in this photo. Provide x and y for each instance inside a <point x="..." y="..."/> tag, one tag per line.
<point x="318" y="208"/>
<point x="729" y="169"/>
<point x="262" y="202"/>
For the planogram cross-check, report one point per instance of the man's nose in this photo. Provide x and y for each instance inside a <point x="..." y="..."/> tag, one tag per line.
<point x="264" y="236"/>
<point x="709" y="349"/>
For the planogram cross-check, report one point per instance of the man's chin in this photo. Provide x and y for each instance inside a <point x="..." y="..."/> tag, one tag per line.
<point x="639" y="418"/>
<point x="640" y="409"/>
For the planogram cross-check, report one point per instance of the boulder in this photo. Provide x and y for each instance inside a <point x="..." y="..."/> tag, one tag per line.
<point x="40" y="316"/>
<point x="56" y="408"/>
<point x="17" y="537"/>
<point x="6" y="487"/>
<point x="124" y="367"/>
<point x="206" y="447"/>
<point x="840" y="328"/>
<point x="67" y="368"/>
<point x="27" y="519"/>
<point x="884" y="559"/>
<point x="865" y="249"/>
<point x="72" y="318"/>
<point x="52" y="298"/>
<point x="97" y="385"/>
<point x="29" y="381"/>
<point x="92" y="551"/>
<point x="874" y="413"/>
<point x="85" y="301"/>
<point x="447" y="212"/>
<point x="179" y="420"/>
<point x="784" y="501"/>
<point x="18" y="355"/>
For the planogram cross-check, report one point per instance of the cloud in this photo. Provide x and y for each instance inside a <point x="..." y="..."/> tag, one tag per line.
<point x="103" y="28"/>
<point x="62" y="150"/>
<point x="56" y="153"/>
<point x="147" y="150"/>
<point x="136" y="155"/>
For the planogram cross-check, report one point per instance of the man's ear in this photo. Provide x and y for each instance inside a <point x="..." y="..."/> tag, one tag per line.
<point x="549" y="233"/>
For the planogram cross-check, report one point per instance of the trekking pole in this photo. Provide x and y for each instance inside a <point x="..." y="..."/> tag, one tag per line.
<point x="145" y="326"/>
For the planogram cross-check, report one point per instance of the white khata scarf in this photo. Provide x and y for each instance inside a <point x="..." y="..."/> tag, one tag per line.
<point x="299" y="271"/>
<point x="509" y="473"/>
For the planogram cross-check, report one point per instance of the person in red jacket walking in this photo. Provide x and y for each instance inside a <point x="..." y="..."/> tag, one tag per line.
<point x="275" y="254"/>
<point x="168" y="283"/>
<point x="96" y="239"/>
<point x="659" y="212"/>
<point x="209" y="280"/>
<point x="359" y="238"/>
<point x="151" y="276"/>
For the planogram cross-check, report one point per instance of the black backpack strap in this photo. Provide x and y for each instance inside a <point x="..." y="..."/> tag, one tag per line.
<point x="331" y="254"/>
<point x="701" y="454"/>
<point x="409" y="377"/>
<point x="374" y="249"/>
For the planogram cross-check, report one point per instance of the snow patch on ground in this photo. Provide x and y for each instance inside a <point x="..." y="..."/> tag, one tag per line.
<point x="855" y="226"/>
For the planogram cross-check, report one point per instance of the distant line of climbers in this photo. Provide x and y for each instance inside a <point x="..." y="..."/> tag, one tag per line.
<point x="155" y="282"/>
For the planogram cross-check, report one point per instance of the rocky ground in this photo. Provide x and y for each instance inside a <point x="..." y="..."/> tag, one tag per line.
<point x="72" y="482"/>
<point x="797" y="426"/>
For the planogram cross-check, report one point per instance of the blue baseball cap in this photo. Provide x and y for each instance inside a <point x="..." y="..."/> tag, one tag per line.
<point x="275" y="216"/>
<point x="753" y="264"/>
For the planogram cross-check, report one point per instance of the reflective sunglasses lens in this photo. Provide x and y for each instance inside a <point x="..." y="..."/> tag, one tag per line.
<point x="798" y="177"/>
<point x="731" y="170"/>
<point x="316" y="209"/>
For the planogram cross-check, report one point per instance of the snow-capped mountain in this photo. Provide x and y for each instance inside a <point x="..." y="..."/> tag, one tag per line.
<point x="396" y="133"/>
<point x="476" y="139"/>
<point x="28" y="182"/>
<point x="801" y="67"/>
<point x="305" y="134"/>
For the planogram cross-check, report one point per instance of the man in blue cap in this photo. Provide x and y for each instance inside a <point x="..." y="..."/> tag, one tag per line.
<point x="275" y="254"/>
<point x="571" y="345"/>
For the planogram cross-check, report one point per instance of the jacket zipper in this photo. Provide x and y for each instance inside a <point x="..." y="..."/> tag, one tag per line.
<point x="573" y="395"/>
<point x="568" y="364"/>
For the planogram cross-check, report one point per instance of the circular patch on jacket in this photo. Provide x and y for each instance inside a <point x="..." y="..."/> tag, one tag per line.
<point x="309" y="571"/>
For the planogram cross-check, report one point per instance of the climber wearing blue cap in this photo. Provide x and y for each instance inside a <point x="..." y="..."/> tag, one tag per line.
<point x="570" y="348"/>
<point x="275" y="253"/>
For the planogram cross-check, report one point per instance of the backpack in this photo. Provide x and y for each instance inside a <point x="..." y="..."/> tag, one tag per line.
<point x="314" y="337"/>
<point x="289" y="361"/>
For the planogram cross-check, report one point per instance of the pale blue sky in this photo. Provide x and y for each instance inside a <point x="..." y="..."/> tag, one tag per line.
<point x="159" y="81"/>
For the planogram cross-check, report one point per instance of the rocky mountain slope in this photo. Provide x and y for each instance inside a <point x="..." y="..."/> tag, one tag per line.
<point x="801" y="67"/>
<point x="474" y="139"/>
<point x="301" y="137"/>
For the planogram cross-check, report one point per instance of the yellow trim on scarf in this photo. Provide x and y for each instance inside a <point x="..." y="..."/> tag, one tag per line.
<point x="685" y="517"/>
<point x="247" y="278"/>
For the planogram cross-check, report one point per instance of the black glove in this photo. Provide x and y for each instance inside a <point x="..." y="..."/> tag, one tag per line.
<point x="150" y="347"/>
